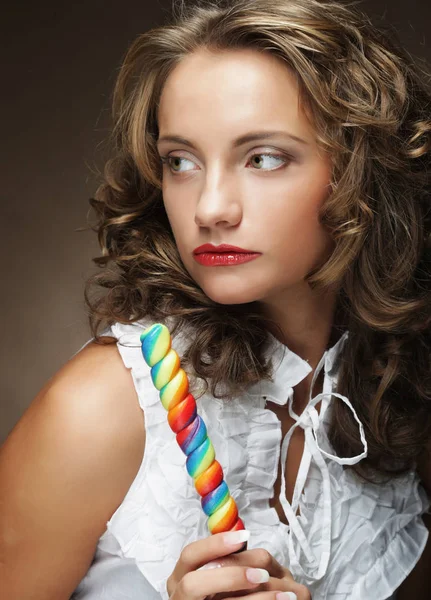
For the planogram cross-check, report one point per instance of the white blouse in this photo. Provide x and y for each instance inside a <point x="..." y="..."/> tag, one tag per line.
<point x="346" y="539"/>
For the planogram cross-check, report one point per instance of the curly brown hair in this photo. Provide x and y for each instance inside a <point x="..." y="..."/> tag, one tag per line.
<point x="369" y="101"/>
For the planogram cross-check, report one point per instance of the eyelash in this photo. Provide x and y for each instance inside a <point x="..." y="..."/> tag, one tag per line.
<point x="284" y="158"/>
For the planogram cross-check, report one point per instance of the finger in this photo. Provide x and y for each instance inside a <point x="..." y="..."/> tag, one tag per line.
<point x="287" y="584"/>
<point x="268" y="596"/>
<point x="302" y="592"/>
<point x="199" y="553"/>
<point x="274" y="568"/>
<point x="196" y="585"/>
<point x="257" y="558"/>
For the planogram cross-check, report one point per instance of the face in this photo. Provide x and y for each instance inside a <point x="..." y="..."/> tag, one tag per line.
<point x="259" y="194"/>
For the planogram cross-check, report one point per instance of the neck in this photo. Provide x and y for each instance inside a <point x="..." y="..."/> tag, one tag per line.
<point x="303" y="320"/>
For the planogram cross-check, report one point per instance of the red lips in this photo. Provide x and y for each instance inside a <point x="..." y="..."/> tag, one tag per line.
<point x="223" y="255"/>
<point x="220" y="249"/>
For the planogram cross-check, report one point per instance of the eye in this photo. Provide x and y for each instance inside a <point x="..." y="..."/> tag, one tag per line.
<point x="284" y="159"/>
<point x="270" y="156"/>
<point x="168" y="160"/>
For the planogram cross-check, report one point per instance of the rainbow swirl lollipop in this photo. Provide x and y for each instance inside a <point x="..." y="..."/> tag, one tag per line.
<point x="172" y="382"/>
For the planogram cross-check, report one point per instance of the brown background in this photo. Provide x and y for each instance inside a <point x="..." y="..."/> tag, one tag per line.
<point x="59" y="67"/>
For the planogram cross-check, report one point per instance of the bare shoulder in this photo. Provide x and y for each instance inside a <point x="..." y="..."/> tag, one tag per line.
<point x="97" y="365"/>
<point x="93" y="394"/>
<point x="99" y="375"/>
<point x="64" y="470"/>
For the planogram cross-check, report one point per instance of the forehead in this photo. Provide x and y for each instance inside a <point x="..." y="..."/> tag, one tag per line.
<point x="230" y="88"/>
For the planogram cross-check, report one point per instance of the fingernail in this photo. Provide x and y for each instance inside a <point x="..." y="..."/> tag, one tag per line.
<point x="236" y="537"/>
<point x="210" y="565"/>
<point x="286" y="596"/>
<point x="257" y="575"/>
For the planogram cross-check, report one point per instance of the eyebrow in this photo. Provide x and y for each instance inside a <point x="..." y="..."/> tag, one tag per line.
<point x="240" y="141"/>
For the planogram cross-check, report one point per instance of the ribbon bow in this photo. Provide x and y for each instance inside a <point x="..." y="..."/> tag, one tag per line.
<point x="310" y="422"/>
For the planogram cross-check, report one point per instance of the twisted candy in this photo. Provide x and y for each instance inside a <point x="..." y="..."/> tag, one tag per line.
<point x="207" y="473"/>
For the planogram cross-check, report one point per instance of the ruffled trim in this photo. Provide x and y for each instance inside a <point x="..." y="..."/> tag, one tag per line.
<point x="397" y="556"/>
<point x="247" y="442"/>
<point x="385" y="530"/>
<point x="263" y="454"/>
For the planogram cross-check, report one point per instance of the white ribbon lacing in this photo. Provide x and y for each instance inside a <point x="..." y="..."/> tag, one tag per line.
<point x="310" y="423"/>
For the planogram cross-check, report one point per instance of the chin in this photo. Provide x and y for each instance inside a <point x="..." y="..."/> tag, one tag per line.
<point x="223" y="294"/>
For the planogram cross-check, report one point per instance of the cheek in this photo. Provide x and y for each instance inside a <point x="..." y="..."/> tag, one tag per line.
<point x="297" y="211"/>
<point x="295" y="229"/>
<point x="181" y="219"/>
<point x="178" y="217"/>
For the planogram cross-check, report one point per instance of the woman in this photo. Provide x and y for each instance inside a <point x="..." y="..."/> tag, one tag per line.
<point x="297" y="290"/>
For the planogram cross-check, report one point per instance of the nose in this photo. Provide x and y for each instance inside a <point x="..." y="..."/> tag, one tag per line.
<point x="218" y="206"/>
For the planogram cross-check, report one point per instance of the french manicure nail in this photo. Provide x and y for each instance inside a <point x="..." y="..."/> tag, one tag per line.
<point x="210" y="565"/>
<point x="286" y="596"/>
<point x="257" y="575"/>
<point x="236" y="537"/>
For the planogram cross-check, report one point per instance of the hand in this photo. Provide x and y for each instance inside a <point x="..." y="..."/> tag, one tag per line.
<point x="194" y="579"/>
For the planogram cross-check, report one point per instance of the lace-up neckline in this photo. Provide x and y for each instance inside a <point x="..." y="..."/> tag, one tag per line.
<point x="290" y="369"/>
